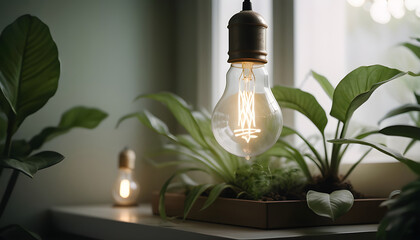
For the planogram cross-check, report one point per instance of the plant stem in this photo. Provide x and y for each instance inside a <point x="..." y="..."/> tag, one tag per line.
<point x="324" y="142"/>
<point x="335" y="160"/>
<point x="8" y="192"/>
<point x="15" y="174"/>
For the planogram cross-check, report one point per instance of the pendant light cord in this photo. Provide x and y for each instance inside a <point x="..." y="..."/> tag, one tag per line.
<point x="246" y="5"/>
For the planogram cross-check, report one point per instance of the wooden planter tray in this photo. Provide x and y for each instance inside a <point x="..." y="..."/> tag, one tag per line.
<point x="268" y="214"/>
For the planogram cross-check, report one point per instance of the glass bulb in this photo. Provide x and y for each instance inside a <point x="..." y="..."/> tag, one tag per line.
<point x="247" y="120"/>
<point x="126" y="189"/>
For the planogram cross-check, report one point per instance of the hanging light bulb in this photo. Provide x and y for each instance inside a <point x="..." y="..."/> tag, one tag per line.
<point x="247" y="120"/>
<point x="126" y="189"/>
<point x="379" y="12"/>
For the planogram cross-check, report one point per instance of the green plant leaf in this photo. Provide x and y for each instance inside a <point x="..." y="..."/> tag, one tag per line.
<point x="286" y="131"/>
<point x="417" y="96"/>
<point x="302" y="102"/>
<point x="297" y="156"/>
<point x="13" y="232"/>
<point x="403" y="216"/>
<point x="414" y="166"/>
<point x="181" y="112"/>
<point x="357" y="86"/>
<point x="162" y="210"/>
<point x="3" y="128"/>
<point x="401" y="110"/>
<point x="30" y="66"/>
<point x="311" y="147"/>
<point x="324" y="83"/>
<point x="409" y="146"/>
<point x="77" y="117"/>
<point x="214" y="194"/>
<point x="413" y="48"/>
<point x="331" y="205"/>
<point x="152" y="122"/>
<point x="192" y="196"/>
<point x="356" y="164"/>
<point x="34" y="163"/>
<point x="402" y="131"/>
<point x="20" y="149"/>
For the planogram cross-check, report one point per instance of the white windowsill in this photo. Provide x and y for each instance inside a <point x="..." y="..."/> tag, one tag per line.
<point x="107" y="222"/>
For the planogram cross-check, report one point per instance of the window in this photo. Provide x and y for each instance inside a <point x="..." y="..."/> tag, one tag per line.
<point x="222" y="12"/>
<point x="333" y="38"/>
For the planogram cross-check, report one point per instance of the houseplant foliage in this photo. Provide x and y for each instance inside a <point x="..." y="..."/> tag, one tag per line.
<point x="197" y="150"/>
<point x="351" y="92"/>
<point x="29" y="73"/>
<point x="402" y="220"/>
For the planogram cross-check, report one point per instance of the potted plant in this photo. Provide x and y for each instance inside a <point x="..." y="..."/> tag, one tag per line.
<point x="200" y="148"/>
<point x="351" y="92"/>
<point x="198" y="151"/>
<point x="29" y="73"/>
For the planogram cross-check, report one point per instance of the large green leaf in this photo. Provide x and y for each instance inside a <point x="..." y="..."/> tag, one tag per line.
<point x="77" y="117"/>
<point x="324" y="83"/>
<point x="402" y="131"/>
<point x="34" y="163"/>
<point x="357" y="86"/>
<point x="181" y="112"/>
<point x="30" y="66"/>
<point x="331" y="205"/>
<point x="409" y="107"/>
<point x="302" y="102"/>
<point x="414" y="166"/>
<point x="413" y="48"/>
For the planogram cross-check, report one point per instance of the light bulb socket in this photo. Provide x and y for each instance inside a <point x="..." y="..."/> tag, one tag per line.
<point x="247" y="37"/>
<point x="127" y="159"/>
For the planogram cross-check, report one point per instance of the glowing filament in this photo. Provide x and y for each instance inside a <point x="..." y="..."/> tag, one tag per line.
<point x="125" y="188"/>
<point x="246" y="99"/>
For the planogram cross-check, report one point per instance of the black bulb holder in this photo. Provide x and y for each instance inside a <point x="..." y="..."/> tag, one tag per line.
<point x="247" y="36"/>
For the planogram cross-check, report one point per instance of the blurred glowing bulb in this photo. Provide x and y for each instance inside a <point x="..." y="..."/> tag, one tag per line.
<point x="379" y="12"/>
<point x="356" y="3"/>
<point x="396" y="8"/>
<point x="126" y="189"/>
<point x="247" y="120"/>
<point x="412" y="4"/>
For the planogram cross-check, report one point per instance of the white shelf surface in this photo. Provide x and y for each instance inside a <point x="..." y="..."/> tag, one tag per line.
<point x="108" y="222"/>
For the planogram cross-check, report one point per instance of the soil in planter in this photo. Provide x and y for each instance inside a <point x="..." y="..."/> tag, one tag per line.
<point x="326" y="185"/>
<point x="320" y="184"/>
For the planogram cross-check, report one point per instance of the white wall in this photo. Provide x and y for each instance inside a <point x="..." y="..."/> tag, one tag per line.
<point x="110" y="51"/>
